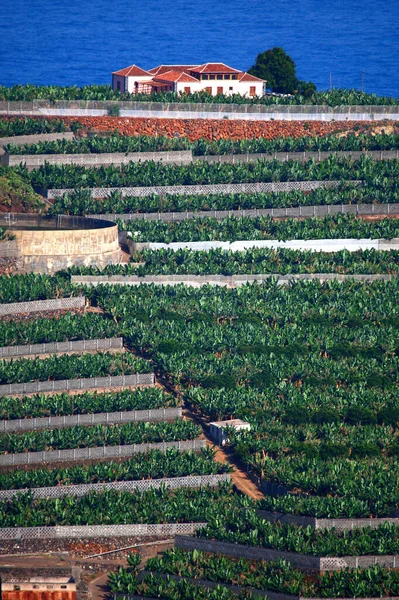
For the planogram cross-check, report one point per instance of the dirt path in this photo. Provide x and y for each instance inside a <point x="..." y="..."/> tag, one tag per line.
<point x="98" y="587"/>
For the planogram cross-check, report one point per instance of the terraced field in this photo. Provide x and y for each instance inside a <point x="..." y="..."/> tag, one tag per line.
<point x="311" y="366"/>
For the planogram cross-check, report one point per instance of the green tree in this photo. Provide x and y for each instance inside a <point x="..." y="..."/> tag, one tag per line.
<point x="279" y="71"/>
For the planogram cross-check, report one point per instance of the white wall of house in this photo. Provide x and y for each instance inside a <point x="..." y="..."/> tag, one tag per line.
<point x="228" y="87"/>
<point x="131" y="81"/>
<point x="196" y="86"/>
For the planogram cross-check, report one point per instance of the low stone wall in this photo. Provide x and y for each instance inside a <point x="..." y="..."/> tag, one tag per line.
<point x="322" y="210"/>
<point x="302" y="561"/>
<point x="230" y="281"/>
<point x="64" y="385"/>
<point x="62" y="347"/>
<point x="87" y="420"/>
<point x="217" y="188"/>
<point x="95" y="531"/>
<point x="142" y="485"/>
<point x="14" y="308"/>
<point x="34" y="161"/>
<point x="97" y="453"/>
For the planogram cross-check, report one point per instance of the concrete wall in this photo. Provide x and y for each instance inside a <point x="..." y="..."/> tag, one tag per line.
<point x="34" y="161"/>
<point x="62" y="347"/>
<point x="21" y="140"/>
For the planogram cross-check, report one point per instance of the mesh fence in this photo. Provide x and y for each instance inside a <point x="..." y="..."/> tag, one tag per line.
<point x="192" y="481"/>
<point x="297" y="211"/>
<point x="159" y="414"/>
<point x="63" y="385"/>
<point x="299" y="156"/>
<point x="42" y="305"/>
<point x="98" y="453"/>
<point x="58" y="347"/>
<point x="103" y="531"/>
<point x="219" y="188"/>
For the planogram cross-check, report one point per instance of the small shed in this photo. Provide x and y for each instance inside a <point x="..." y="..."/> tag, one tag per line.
<point x="219" y="434"/>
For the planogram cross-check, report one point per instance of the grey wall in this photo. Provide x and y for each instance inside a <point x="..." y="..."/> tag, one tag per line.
<point x="14" y="308"/>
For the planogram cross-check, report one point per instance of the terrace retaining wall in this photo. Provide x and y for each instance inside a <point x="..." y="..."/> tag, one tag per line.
<point x="302" y="561"/>
<point x="62" y="385"/>
<point x="59" y="491"/>
<point x="322" y="210"/>
<point x="217" y="188"/>
<point x="61" y="347"/>
<point x="230" y="281"/>
<point x="338" y="524"/>
<point x="94" y="531"/>
<point x="208" y="111"/>
<point x="15" y="308"/>
<point x="88" y="420"/>
<point x="34" y="161"/>
<point x="21" y="140"/>
<point x="318" y="156"/>
<point x="97" y="453"/>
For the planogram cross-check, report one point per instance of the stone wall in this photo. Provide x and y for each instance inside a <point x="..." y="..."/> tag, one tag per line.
<point x="49" y="245"/>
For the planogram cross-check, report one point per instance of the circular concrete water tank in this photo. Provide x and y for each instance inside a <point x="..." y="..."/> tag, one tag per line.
<point x="47" y="244"/>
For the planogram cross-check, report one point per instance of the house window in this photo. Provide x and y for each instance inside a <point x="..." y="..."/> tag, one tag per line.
<point x="211" y="77"/>
<point x="220" y="77"/>
<point x="252" y="90"/>
<point x="234" y="76"/>
<point x="230" y="89"/>
<point x="205" y="77"/>
<point x="187" y="90"/>
<point x="208" y="90"/>
<point x="226" y="77"/>
<point x="219" y="91"/>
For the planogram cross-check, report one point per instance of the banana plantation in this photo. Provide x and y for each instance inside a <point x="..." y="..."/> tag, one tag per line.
<point x="312" y="367"/>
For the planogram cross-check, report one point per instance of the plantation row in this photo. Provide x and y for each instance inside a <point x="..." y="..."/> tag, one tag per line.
<point x="252" y="261"/>
<point x="336" y="97"/>
<point x="80" y="202"/>
<point x="98" y="435"/>
<point x="224" y="570"/>
<point x="111" y="507"/>
<point x="148" y="173"/>
<point x="118" y="143"/>
<point x="41" y="405"/>
<point x="71" y="366"/>
<point x="23" y="288"/>
<point x="153" y="465"/>
<point x="260" y="228"/>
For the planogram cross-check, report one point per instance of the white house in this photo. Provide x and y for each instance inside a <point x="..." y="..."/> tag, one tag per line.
<point x="218" y="432"/>
<point x="213" y="78"/>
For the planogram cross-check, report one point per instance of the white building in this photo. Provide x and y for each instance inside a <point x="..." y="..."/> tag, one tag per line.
<point x="218" y="432"/>
<point x="213" y="78"/>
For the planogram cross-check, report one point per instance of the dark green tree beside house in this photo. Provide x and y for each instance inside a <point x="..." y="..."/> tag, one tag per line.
<point x="279" y="70"/>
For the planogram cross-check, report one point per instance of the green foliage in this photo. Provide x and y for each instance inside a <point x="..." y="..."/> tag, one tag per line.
<point x="279" y="71"/>
<point x="16" y="194"/>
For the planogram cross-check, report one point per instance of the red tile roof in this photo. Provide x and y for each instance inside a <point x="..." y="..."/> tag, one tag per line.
<point x="214" y="68"/>
<point x="161" y="69"/>
<point x="175" y="76"/>
<point x="248" y="77"/>
<point x="132" y="71"/>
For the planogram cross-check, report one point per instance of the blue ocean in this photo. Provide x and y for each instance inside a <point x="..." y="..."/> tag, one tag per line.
<point x="349" y="43"/>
